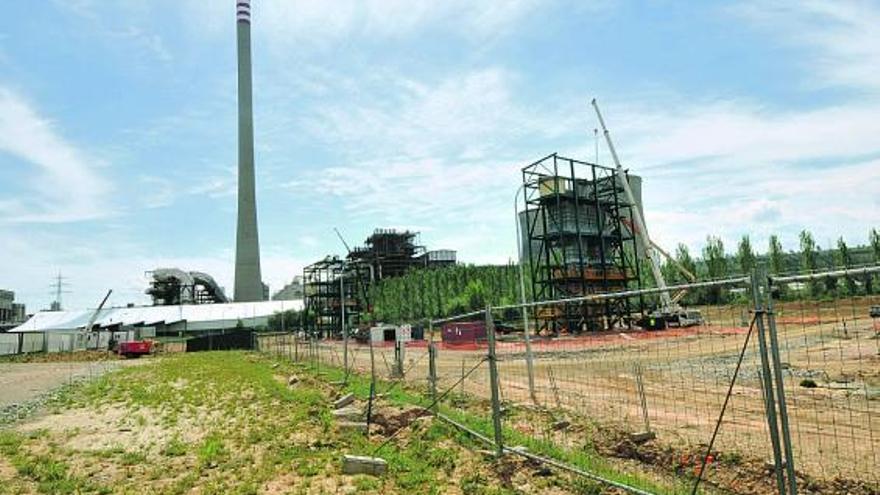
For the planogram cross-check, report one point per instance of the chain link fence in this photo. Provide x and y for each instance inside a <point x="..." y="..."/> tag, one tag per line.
<point x="760" y="396"/>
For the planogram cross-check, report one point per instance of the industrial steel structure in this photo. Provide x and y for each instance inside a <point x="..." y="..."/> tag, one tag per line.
<point x="389" y="252"/>
<point x="386" y="253"/>
<point x="578" y="239"/>
<point x="11" y="312"/>
<point x="172" y="286"/>
<point x="329" y="285"/>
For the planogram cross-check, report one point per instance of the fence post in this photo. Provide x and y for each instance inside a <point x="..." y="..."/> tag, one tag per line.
<point x="767" y="384"/>
<point x="643" y="401"/>
<point x="530" y="368"/>
<point x="398" y="358"/>
<point x="780" y="387"/>
<point x="493" y="383"/>
<point x="344" y="340"/>
<point x="372" y="385"/>
<point x="432" y="365"/>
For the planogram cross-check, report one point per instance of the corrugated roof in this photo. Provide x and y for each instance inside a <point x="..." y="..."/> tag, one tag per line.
<point x="151" y="315"/>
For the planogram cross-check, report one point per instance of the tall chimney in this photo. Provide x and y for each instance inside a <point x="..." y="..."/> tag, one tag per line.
<point x="248" y="283"/>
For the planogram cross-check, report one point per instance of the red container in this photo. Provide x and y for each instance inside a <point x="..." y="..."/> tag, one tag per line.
<point x="464" y="332"/>
<point x="135" y="348"/>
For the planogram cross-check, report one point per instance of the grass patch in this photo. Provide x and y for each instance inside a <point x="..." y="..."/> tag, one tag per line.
<point x="584" y="457"/>
<point x="229" y="424"/>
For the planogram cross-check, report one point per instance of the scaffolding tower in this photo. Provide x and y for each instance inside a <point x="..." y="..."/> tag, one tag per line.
<point x="325" y="294"/>
<point x="578" y="240"/>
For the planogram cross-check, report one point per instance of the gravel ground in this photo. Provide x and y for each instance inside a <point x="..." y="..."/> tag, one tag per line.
<point x="24" y="387"/>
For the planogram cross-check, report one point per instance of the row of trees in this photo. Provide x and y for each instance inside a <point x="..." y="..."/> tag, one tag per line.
<point x="441" y="292"/>
<point x="447" y="291"/>
<point x="716" y="263"/>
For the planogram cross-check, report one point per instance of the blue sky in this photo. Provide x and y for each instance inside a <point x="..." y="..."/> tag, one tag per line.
<point x="118" y="137"/>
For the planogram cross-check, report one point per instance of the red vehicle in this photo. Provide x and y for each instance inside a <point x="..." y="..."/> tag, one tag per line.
<point x="134" y="348"/>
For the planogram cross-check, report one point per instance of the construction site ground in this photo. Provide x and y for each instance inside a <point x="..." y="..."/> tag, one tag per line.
<point x="238" y="422"/>
<point x="26" y="378"/>
<point x="830" y="354"/>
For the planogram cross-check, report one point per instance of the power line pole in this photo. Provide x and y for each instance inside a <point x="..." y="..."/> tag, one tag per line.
<point x="58" y="288"/>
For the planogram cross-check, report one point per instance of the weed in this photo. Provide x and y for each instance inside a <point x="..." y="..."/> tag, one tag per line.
<point x="367" y="484"/>
<point x="174" y="448"/>
<point x="132" y="458"/>
<point x="211" y="451"/>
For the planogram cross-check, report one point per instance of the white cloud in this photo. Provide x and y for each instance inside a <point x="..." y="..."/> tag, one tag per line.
<point x="842" y="34"/>
<point x="316" y="22"/>
<point x="734" y="167"/>
<point x="105" y="20"/>
<point x="445" y="153"/>
<point x="64" y="184"/>
<point x="748" y="134"/>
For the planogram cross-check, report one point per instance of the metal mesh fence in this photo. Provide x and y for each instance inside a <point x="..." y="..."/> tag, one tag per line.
<point x="777" y="386"/>
<point x="830" y="352"/>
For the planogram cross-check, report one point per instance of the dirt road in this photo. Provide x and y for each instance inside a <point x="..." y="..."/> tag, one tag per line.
<point x="24" y="382"/>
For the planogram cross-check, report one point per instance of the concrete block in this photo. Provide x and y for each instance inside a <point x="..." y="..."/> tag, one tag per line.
<point x="343" y="401"/>
<point x="355" y="464"/>
<point x="348" y="413"/>
<point x="561" y="425"/>
<point x="643" y="436"/>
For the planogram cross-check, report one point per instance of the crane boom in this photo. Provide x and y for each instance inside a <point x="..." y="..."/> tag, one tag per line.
<point x="94" y="317"/>
<point x="665" y="299"/>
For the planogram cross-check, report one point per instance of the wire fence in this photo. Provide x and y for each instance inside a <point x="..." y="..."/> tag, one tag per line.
<point x="760" y="396"/>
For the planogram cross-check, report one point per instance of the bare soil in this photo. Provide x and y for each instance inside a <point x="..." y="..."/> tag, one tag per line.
<point x="685" y="374"/>
<point x="21" y="382"/>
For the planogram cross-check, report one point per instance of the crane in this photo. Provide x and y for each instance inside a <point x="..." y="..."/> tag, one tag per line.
<point x="669" y="311"/>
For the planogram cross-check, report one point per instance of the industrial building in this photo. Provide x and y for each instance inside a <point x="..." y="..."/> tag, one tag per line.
<point x="172" y="286"/>
<point x="11" y="312"/>
<point x="392" y="253"/>
<point x="578" y="239"/>
<point x="386" y="253"/>
<point x="173" y="320"/>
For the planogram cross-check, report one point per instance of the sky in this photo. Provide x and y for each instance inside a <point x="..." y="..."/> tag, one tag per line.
<point x="118" y="126"/>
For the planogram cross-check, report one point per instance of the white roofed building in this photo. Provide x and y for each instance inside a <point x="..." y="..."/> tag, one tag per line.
<point x="166" y="319"/>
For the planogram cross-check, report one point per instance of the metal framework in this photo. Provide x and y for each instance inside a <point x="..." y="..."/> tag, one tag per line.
<point x="389" y="252"/>
<point x="172" y="286"/>
<point x="324" y="293"/>
<point x="579" y="240"/>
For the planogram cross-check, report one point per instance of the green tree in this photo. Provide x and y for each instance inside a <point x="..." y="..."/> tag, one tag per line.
<point x="776" y="255"/>
<point x="874" y="241"/>
<point x="686" y="261"/>
<point x="670" y="272"/>
<point x="777" y="263"/>
<point x="844" y="259"/>
<point x="716" y="266"/>
<point x="684" y="258"/>
<point x="745" y="256"/>
<point x="809" y="259"/>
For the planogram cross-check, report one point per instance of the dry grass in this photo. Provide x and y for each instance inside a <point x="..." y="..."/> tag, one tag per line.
<point x="229" y="423"/>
